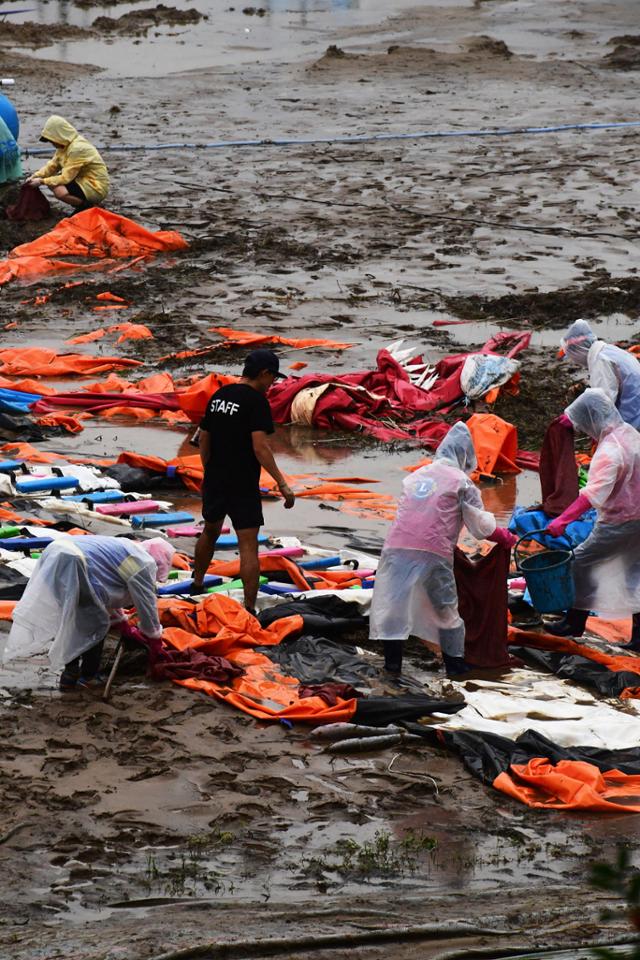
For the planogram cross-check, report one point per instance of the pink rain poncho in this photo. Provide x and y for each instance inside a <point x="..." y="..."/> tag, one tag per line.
<point x="415" y="592"/>
<point x="77" y="583"/>
<point x="611" y="369"/>
<point x="606" y="570"/>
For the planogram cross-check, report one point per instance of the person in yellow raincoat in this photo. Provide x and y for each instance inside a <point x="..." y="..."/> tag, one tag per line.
<point x="76" y="174"/>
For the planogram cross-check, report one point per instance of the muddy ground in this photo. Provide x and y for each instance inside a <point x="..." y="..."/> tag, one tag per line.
<point x="162" y="819"/>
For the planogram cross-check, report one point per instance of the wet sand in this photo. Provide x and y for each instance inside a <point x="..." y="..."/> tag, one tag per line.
<point x="163" y="819"/>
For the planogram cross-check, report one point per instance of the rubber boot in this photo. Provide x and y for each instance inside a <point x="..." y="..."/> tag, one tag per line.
<point x="393" y="656"/>
<point x="634" y="644"/>
<point x="572" y="626"/>
<point x="455" y="666"/>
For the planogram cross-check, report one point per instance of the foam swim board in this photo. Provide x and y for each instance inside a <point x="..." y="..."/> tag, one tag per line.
<point x="127" y="509"/>
<point x="46" y="483"/>
<point x="230" y="540"/>
<point x="161" y="519"/>
<point x="101" y="496"/>
<point x="184" y="586"/>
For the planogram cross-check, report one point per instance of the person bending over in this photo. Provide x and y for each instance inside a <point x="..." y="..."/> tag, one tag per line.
<point x="76" y="593"/>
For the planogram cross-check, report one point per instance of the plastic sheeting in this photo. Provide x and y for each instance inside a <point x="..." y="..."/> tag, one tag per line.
<point x="97" y="236"/>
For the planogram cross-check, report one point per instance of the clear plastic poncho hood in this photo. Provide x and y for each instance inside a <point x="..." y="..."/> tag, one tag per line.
<point x="457" y="447"/>
<point x="577" y="342"/>
<point x="594" y="413"/>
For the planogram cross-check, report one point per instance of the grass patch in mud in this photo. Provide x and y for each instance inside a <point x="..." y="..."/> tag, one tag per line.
<point x="191" y="870"/>
<point x="381" y="857"/>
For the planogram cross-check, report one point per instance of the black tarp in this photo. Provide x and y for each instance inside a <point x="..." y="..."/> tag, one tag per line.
<point x="323" y="616"/>
<point x="582" y="670"/>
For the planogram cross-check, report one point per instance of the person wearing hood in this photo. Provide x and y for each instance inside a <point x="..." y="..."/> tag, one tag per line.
<point x="415" y="591"/>
<point x="611" y="369"/>
<point x="606" y="568"/>
<point x="76" y="174"/>
<point x="76" y="593"/>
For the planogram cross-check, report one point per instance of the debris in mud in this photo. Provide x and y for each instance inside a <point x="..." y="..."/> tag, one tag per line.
<point x="35" y="35"/>
<point x="623" y="57"/>
<point x="487" y="46"/>
<point x="254" y="11"/>
<point x="555" y="309"/>
<point x="138" y="22"/>
<point x="334" y="51"/>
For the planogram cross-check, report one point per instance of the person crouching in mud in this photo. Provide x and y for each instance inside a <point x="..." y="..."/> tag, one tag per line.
<point x="76" y="174"/>
<point x="76" y="594"/>
<point x="415" y="590"/>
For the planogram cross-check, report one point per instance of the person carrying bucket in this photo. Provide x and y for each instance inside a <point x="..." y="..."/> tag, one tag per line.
<point x="612" y="369"/>
<point x="76" y="174"/>
<point x="415" y="590"/>
<point x="606" y="569"/>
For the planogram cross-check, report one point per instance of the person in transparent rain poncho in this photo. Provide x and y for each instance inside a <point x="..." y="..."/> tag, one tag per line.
<point x="415" y="591"/>
<point x="611" y="369"/>
<point x="606" y="568"/>
<point x="76" y="593"/>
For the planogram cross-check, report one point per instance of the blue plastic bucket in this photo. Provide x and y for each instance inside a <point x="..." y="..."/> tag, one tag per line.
<point x="549" y="578"/>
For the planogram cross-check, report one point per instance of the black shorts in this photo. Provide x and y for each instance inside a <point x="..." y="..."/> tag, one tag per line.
<point x="76" y="191"/>
<point x="245" y="512"/>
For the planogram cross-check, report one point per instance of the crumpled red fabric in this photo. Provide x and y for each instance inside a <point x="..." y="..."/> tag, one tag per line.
<point x="359" y="401"/>
<point x="330" y="693"/>
<point x="558" y="470"/>
<point x="30" y="205"/>
<point x="169" y="664"/>
<point x="482" y="603"/>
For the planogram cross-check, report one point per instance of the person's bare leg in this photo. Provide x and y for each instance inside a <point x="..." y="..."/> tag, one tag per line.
<point x="61" y="193"/>
<point x="249" y="565"/>
<point x="205" y="545"/>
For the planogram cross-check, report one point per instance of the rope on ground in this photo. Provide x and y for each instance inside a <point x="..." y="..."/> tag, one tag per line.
<point x="357" y="138"/>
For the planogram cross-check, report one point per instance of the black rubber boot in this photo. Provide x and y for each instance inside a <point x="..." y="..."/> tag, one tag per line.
<point x="392" y="655"/>
<point x="634" y="643"/>
<point x="455" y="666"/>
<point x="572" y="626"/>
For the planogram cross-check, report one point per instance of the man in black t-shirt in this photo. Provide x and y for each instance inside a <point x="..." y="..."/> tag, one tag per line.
<point x="233" y="448"/>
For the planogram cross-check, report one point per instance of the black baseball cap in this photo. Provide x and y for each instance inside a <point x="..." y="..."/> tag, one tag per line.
<point x="259" y="360"/>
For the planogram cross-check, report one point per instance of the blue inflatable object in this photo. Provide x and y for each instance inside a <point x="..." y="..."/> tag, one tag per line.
<point x="320" y="563"/>
<point x="15" y="401"/>
<point x="161" y="519"/>
<point x="46" y="483"/>
<point x="10" y="116"/>
<point x="7" y="466"/>
<point x="102" y="496"/>
<point x="526" y="521"/>
<point x="183" y="586"/>
<point x="26" y="543"/>
<point x="229" y="540"/>
<point x="279" y="589"/>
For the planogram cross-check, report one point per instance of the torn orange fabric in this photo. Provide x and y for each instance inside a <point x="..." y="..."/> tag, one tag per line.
<point x="6" y="609"/>
<point x="194" y="399"/>
<point x="613" y="631"/>
<point x="107" y="295"/>
<point x="128" y="331"/>
<point x="546" y="641"/>
<point x="28" y="386"/>
<point x="219" y="626"/>
<point x="70" y="422"/>
<point x="9" y="514"/>
<point x="134" y="413"/>
<point x="25" y="451"/>
<point x="249" y="339"/>
<point x="570" y="784"/>
<point x="39" y="362"/>
<point x="95" y="234"/>
<point x="112" y="306"/>
<point x="495" y="442"/>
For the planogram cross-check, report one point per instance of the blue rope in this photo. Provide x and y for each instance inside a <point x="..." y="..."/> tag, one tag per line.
<point x="361" y="138"/>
